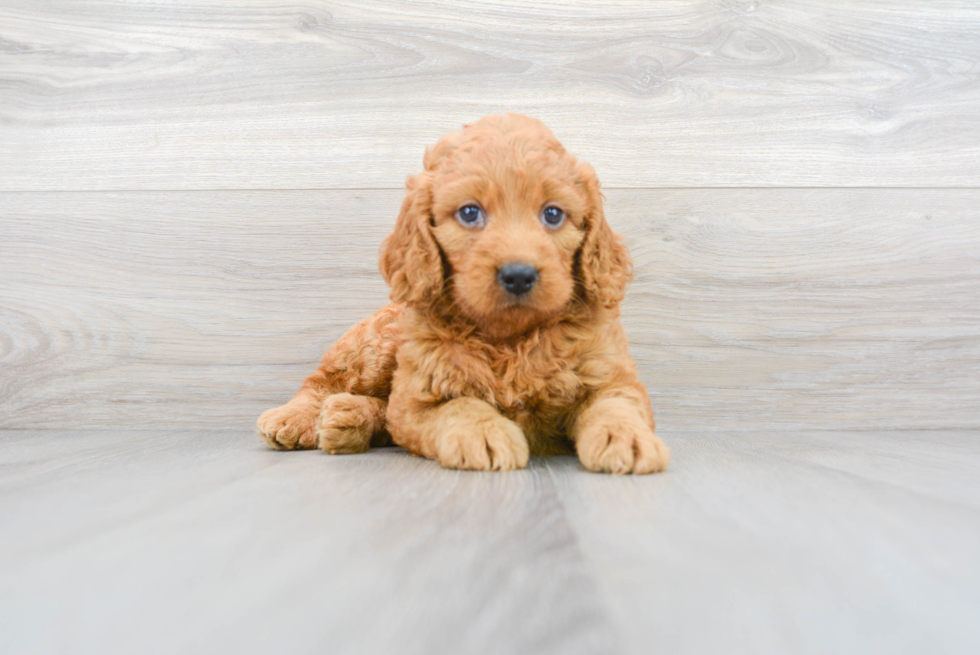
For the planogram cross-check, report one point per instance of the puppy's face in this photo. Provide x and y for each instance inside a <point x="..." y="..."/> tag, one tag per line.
<point x="509" y="219"/>
<point x="509" y="224"/>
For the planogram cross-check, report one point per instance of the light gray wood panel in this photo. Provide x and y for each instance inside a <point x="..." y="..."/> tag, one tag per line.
<point x="154" y="307"/>
<point x="163" y="542"/>
<point x="762" y="542"/>
<point x="207" y="94"/>
<point x="751" y="308"/>
<point x="796" y="542"/>
<point x="806" y="308"/>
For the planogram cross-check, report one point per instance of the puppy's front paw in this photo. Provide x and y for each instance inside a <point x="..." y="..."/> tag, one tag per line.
<point x="618" y="440"/>
<point x="482" y="442"/>
<point x="348" y="422"/>
<point x="289" y="426"/>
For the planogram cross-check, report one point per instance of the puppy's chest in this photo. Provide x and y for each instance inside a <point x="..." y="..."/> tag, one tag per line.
<point x="535" y="380"/>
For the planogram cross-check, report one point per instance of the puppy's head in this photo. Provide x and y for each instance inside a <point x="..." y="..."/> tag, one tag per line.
<point x="506" y="227"/>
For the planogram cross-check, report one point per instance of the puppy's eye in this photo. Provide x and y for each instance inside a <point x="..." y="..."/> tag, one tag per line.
<point x="470" y="216"/>
<point x="552" y="217"/>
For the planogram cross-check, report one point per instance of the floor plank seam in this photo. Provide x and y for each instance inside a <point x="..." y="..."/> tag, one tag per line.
<point x="588" y="568"/>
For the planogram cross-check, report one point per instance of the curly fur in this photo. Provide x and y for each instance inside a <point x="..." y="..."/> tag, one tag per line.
<point x="457" y="370"/>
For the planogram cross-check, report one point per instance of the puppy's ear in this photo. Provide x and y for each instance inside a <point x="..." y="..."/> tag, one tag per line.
<point x="410" y="260"/>
<point x="604" y="262"/>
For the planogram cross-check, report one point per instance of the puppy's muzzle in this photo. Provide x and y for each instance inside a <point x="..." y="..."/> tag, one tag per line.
<point x="518" y="278"/>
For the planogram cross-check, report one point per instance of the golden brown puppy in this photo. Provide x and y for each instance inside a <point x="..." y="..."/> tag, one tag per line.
<point x="503" y="338"/>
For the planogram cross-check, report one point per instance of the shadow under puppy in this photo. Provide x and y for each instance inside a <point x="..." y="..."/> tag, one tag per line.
<point x="503" y="337"/>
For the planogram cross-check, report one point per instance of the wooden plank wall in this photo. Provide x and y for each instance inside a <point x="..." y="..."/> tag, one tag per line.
<point x="192" y="195"/>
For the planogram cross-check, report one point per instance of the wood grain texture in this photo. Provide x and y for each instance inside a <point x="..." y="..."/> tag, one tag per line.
<point x="795" y="542"/>
<point x="203" y="94"/>
<point x="192" y="195"/>
<point x="209" y="542"/>
<point x="791" y="308"/>
<point x="762" y="542"/>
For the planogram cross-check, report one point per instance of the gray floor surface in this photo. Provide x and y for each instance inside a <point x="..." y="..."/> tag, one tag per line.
<point x="754" y="542"/>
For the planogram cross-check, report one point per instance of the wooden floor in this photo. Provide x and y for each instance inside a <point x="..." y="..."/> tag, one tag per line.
<point x="192" y="541"/>
<point x="192" y="196"/>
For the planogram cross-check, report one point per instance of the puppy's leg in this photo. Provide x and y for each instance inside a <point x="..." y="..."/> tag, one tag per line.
<point x="463" y="433"/>
<point x="614" y="434"/>
<point x="361" y="362"/>
<point x="291" y="426"/>
<point x="348" y="423"/>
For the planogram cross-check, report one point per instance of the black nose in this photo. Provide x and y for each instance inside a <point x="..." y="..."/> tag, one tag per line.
<point x="517" y="278"/>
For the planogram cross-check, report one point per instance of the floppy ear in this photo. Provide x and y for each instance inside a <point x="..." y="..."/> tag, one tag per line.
<point x="604" y="261"/>
<point x="410" y="260"/>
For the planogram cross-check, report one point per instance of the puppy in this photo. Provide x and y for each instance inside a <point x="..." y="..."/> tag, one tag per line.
<point x="503" y="337"/>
